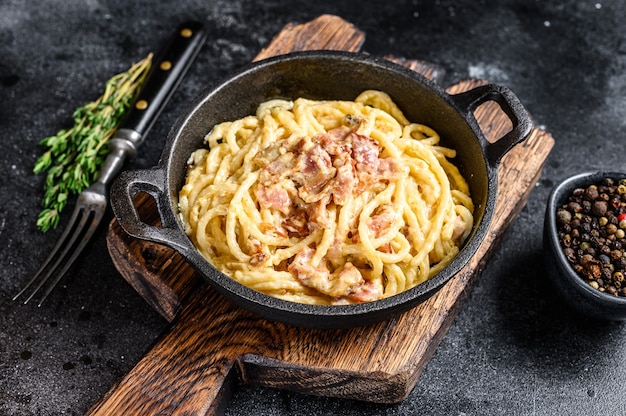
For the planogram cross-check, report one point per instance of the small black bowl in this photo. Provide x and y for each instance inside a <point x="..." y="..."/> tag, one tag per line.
<point x="567" y="283"/>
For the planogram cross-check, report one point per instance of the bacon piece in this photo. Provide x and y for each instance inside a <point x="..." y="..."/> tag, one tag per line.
<point x="335" y="253"/>
<point x="365" y="152"/>
<point x="339" y="162"/>
<point x="274" y="196"/>
<point x="296" y="223"/>
<point x="344" y="184"/>
<point x="348" y="279"/>
<point x="336" y="141"/>
<point x="277" y="169"/>
<point x="257" y="259"/>
<point x="305" y="272"/>
<point x="302" y="180"/>
<point x="388" y="168"/>
<point x="381" y="220"/>
<point x="367" y="292"/>
<point x="385" y="248"/>
<point x="345" y="282"/>
<point x="340" y="144"/>
<point x="318" y="214"/>
<point x="256" y="249"/>
<point x="312" y="171"/>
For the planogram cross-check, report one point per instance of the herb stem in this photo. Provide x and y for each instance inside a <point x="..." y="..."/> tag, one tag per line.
<point x="74" y="156"/>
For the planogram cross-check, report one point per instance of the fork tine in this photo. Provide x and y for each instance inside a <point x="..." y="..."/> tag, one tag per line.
<point x="60" y="243"/>
<point x="131" y="133"/>
<point x="93" y="225"/>
<point x="58" y="253"/>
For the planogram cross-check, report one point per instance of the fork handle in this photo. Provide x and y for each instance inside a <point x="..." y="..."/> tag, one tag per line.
<point x="167" y="71"/>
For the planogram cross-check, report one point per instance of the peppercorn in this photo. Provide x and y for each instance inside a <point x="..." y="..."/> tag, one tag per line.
<point x="574" y="207"/>
<point x="592" y="231"/>
<point x="599" y="208"/>
<point x="615" y="201"/>
<point x="566" y="241"/>
<point x="586" y="258"/>
<point x="591" y="193"/>
<point x="563" y="216"/>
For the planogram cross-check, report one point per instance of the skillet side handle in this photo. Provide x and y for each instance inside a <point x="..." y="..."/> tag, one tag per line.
<point x="470" y="100"/>
<point x="150" y="181"/>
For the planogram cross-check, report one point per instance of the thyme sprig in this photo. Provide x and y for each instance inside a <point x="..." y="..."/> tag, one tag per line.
<point x="74" y="156"/>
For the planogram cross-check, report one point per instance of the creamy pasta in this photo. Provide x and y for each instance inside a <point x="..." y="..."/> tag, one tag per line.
<point x="326" y="202"/>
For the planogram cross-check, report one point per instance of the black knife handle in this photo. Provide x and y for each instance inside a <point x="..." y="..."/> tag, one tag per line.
<point x="165" y="74"/>
<point x="168" y="69"/>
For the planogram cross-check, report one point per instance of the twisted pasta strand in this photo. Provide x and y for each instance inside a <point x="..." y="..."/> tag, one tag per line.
<point x="326" y="202"/>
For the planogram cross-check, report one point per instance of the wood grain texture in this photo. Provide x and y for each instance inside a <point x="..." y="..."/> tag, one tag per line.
<point x="213" y="344"/>
<point x="327" y="32"/>
<point x="144" y="264"/>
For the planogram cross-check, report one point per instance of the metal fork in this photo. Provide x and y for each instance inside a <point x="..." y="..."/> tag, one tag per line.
<point x="167" y="71"/>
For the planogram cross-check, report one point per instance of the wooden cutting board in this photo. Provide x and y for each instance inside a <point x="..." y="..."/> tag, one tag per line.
<point x="212" y="344"/>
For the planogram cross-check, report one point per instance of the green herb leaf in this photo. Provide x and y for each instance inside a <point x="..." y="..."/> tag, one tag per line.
<point x="74" y="156"/>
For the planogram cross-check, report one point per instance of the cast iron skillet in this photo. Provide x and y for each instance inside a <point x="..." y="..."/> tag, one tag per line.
<point x="324" y="75"/>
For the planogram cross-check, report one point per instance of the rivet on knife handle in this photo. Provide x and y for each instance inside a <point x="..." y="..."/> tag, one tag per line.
<point x="167" y="71"/>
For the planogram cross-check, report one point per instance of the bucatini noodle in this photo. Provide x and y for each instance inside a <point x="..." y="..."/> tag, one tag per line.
<point x="326" y="202"/>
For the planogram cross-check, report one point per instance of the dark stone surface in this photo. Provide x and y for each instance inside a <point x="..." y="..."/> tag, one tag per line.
<point x="514" y="348"/>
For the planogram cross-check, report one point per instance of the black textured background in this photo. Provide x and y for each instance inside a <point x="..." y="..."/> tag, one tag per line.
<point x="513" y="349"/>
